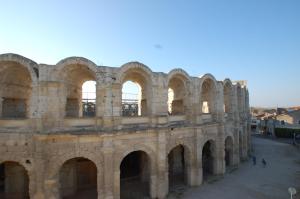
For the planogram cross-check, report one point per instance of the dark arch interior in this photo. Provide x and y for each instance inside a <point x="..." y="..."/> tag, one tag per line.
<point x="228" y="152"/>
<point x="177" y="167"/>
<point x="135" y="176"/>
<point x="14" y="181"/>
<point x="207" y="160"/>
<point x="78" y="179"/>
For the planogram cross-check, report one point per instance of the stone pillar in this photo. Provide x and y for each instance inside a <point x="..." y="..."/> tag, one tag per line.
<point x="1" y="100"/>
<point x="197" y="166"/>
<point x="160" y="95"/>
<point x="32" y="108"/>
<point x="117" y="185"/>
<point x="51" y="105"/>
<point x="236" y="152"/>
<point x="162" y="168"/>
<point x="245" y="141"/>
<point x="220" y="103"/>
<point x="39" y="179"/>
<point x="108" y="103"/>
<point x="108" y="173"/>
<point x="193" y="171"/>
<point x="219" y="156"/>
<point x="107" y="187"/>
<point x="79" y="97"/>
<point x="194" y="114"/>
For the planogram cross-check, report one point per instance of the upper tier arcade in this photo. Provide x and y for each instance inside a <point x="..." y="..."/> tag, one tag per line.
<point x="50" y="98"/>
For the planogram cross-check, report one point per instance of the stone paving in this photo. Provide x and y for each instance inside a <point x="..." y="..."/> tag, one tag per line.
<point x="256" y="182"/>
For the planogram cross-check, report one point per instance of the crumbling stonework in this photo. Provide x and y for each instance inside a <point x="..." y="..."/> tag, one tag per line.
<point x="60" y="149"/>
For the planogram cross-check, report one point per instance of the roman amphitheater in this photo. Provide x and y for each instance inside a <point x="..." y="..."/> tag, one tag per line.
<point x="55" y="143"/>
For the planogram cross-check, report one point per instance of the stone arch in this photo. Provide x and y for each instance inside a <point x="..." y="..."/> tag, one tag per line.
<point x="229" y="150"/>
<point x="78" y="176"/>
<point x="179" y="161"/>
<point x="133" y="66"/>
<point x="55" y="164"/>
<point x="227" y="93"/>
<point x="150" y="159"/>
<point x="19" y="180"/>
<point x="178" y="91"/>
<point x="18" y="80"/>
<point x="76" y="61"/>
<point x="209" y="158"/>
<point x="120" y="154"/>
<point x="140" y="74"/>
<point x="208" y="94"/>
<point x="31" y="66"/>
<point x="73" y="72"/>
<point x="180" y="72"/>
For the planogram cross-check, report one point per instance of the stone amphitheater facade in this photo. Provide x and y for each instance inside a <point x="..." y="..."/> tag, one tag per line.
<point x="45" y="154"/>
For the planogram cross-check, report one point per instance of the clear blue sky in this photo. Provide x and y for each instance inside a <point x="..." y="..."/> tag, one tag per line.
<point x="256" y="40"/>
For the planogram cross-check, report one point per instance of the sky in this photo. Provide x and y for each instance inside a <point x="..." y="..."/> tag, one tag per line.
<point x="253" y="40"/>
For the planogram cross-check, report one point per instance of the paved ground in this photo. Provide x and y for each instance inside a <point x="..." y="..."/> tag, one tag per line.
<point x="256" y="182"/>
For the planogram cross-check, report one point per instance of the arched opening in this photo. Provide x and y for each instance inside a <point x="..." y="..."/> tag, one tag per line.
<point x="15" y="90"/>
<point x="80" y="85"/>
<point x="176" y="96"/>
<point x="227" y="98"/>
<point x="177" y="167"/>
<point x="208" y="96"/>
<point x="208" y="159"/>
<point x="78" y="179"/>
<point x="135" y="176"/>
<point x="14" y="181"/>
<point x="133" y="80"/>
<point x="228" y="151"/>
<point x="131" y="99"/>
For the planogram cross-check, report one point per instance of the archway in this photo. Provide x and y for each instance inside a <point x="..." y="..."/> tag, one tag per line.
<point x="177" y="93"/>
<point x="137" y="74"/>
<point x="229" y="151"/>
<point x="78" y="179"/>
<point x="15" y="90"/>
<point x="79" y="103"/>
<point x="177" y="162"/>
<point x="208" y="159"/>
<point x="208" y="96"/>
<point x="14" y="181"/>
<point x="135" y="176"/>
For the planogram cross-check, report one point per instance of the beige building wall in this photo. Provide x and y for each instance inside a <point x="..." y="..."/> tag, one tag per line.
<point x="47" y="137"/>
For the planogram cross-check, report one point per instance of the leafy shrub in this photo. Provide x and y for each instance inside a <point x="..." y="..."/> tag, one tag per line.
<point x="286" y="132"/>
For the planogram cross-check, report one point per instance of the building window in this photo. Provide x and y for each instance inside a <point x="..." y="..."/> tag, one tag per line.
<point x="282" y="122"/>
